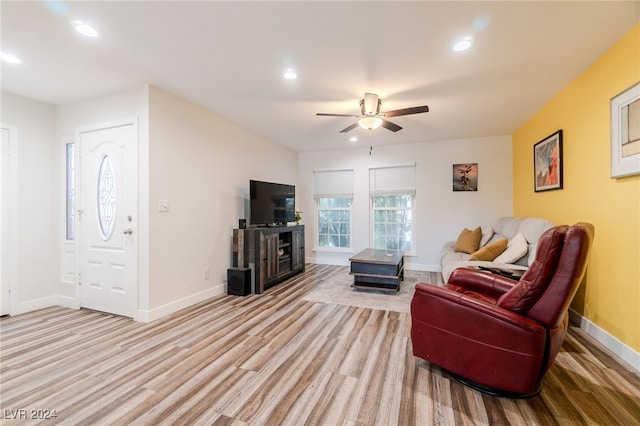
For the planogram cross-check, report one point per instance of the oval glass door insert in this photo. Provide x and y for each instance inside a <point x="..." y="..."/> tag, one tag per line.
<point x="106" y="198"/>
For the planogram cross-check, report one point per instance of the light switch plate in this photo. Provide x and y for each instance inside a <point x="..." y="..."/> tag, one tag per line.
<point x="163" y="205"/>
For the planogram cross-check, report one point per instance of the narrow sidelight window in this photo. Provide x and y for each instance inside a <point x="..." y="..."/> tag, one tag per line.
<point x="70" y="231"/>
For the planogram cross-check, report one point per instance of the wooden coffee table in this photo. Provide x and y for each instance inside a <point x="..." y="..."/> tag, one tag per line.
<point x="377" y="269"/>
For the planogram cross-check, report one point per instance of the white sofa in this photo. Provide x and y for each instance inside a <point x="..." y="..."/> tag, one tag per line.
<point x="507" y="227"/>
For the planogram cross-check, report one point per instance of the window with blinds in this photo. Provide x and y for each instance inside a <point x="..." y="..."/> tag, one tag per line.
<point x="392" y="191"/>
<point x="333" y="192"/>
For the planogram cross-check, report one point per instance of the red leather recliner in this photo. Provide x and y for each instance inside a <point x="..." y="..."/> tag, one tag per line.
<point x="496" y="334"/>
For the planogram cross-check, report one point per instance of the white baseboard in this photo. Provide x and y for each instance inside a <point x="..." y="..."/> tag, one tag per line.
<point x="326" y="258"/>
<point x="621" y="350"/>
<point x="68" y="302"/>
<point x="176" y="305"/>
<point x="412" y="266"/>
<point x="34" y="305"/>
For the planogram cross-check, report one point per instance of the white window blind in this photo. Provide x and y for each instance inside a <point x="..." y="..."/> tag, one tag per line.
<point x="392" y="180"/>
<point x="333" y="184"/>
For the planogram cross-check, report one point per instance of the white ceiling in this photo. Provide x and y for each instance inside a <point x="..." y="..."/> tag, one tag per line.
<point x="229" y="57"/>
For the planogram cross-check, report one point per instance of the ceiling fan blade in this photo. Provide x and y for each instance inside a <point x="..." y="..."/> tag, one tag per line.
<point x="348" y="129"/>
<point x="406" y="111"/>
<point x="390" y="126"/>
<point x="336" y="115"/>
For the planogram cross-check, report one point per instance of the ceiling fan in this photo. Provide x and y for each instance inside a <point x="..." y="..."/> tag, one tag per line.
<point x="371" y="117"/>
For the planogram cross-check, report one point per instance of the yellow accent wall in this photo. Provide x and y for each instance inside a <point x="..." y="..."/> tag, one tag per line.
<point x="610" y="295"/>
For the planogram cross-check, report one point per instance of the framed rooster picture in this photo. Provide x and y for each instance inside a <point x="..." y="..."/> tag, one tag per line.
<point x="547" y="163"/>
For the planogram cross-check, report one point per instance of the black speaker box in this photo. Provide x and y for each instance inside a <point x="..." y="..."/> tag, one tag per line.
<point x="239" y="281"/>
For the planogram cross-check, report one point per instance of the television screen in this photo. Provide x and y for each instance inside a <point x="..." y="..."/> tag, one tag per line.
<point x="271" y="203"/>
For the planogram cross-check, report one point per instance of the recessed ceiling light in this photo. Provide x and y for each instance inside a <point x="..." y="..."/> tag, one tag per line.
<point x="85" y="29"/>
<point x="463" y="44"/>
<point x="290" y="74"/>
<point x="8" y="57"/>
<point x="353" y="139"/>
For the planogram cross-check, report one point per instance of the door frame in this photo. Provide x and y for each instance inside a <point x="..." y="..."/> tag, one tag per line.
<point x="9" y="223"/>
<point x="78" y="200"/>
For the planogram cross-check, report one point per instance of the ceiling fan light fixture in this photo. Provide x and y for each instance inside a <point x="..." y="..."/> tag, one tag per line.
<point x="371" y="117"/>
<point x="370" y="122"/>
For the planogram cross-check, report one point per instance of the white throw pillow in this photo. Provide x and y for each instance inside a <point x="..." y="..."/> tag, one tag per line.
<point x="516" y="248"/>
<point x="487" y="233"/>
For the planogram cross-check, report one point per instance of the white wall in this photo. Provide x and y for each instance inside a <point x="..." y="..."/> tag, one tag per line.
<point x="36" y="259"/>
<point x="440" y="213"/>
<point x="202" y="164"/>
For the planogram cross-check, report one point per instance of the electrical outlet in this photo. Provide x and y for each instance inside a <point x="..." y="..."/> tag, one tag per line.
<point x="205" y="274"/>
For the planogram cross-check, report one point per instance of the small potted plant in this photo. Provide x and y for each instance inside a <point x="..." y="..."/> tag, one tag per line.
<point x="297" y="217"/>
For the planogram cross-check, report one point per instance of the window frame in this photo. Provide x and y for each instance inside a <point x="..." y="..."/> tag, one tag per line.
<point x="317" y="223"/>
<point x="372" y="210"/>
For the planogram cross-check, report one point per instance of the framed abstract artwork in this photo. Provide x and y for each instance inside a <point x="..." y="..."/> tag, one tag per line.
<point x="465" y="177"/>
<point x="625" y="133"/>
<point x="547" y="163"/>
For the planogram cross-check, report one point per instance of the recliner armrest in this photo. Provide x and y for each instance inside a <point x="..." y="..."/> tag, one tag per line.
<point x="481" y="282"/>
<point x="446" y="306"/>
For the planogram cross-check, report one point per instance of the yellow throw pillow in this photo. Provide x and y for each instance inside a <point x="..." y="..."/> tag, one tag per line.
<point x="468" y="241"/>
<point x="490" y="251"/>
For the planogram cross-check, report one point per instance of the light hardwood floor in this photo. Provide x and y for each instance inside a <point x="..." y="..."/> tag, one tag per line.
<point x="276" y="359"/>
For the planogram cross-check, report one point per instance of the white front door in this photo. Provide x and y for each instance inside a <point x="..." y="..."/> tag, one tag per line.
<point x="107" y="218"/>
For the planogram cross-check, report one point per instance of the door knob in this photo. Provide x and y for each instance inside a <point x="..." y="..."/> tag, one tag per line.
<point x="128" y="231"/>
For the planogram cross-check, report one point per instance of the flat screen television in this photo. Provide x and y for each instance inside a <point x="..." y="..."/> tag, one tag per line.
<point x="271" y="203"/>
